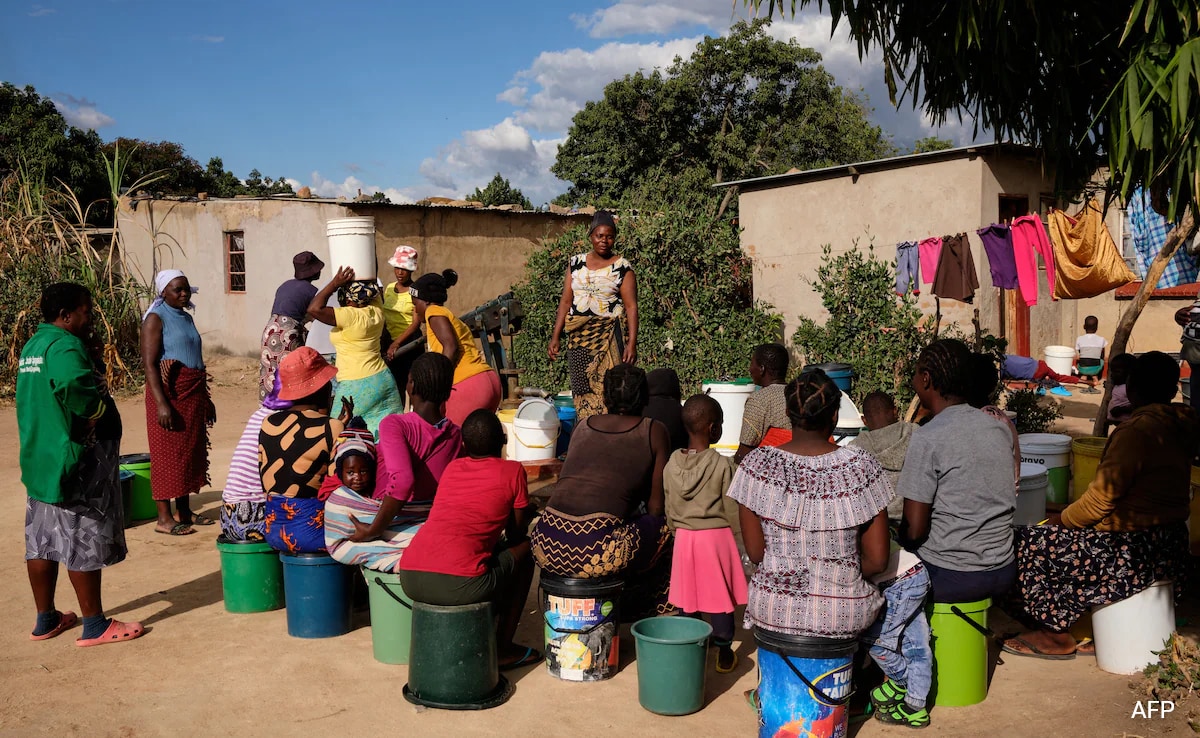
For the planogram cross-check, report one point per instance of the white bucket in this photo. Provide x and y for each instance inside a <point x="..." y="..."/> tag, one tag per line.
<point x="1053" y="451"/>
<point x="535" y="430"/>
<point x="1031" y="497"/>
<point x="352" y="244"/>
<point x="1128" y="632"/>
<point x="1060" y="358"/>
<point x="732" y="397"/>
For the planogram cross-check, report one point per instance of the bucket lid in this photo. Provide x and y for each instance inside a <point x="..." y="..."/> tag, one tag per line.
<point x="498" y="696"/>
<point x="1046" y="443"/>
<point x="133" y="459"/>
<point x="1034" y="473"/>
<point x="829" y="367"/>
<point x="741" y="382"/>
<point x="582" y="588"/>
<point x="537" y="410"/>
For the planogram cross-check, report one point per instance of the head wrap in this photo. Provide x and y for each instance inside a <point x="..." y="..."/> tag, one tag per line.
<point x="359" y="292"/>
<point x="603" y="218"/>
<point x="272" y="401"/>
<point x="404" y="258"/>
<point x="433" y="288"/>
<point x="161" y="280"/>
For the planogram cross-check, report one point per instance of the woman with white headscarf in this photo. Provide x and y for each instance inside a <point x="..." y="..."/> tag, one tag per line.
<point x="179" y="409"/>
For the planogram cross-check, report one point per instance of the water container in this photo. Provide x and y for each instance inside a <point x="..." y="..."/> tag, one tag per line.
<point x="141" y="502"/>
<point x="506" y="419"/>
<point x="535" y="429"/>
<point x="566" y="420"/>
<point x="671" y="652"/>
<point x="582" y="617"/>
<point x="1060" y="358"/>
<point x="1130" y="631"/>
<point x="352" y="244"/>
<point x="454" y="665"/>
<point x="251" y="576"/>
<point x="1052" y="451"/>
<point x="1085" y="460"/>
<point x="732" y="397"/>
<point x="804" y="685"/>
<point x="127" y="478"/>
<point x="391" y="617"/>
<point x="960" y="652"/>
<point x="1031" y="497"/>
<point x="317" y="589"/>
<point x="841" y="374"/>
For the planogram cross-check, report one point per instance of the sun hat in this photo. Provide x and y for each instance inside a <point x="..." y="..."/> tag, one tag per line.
<point x="404" y="258"/>
<point x="302" y="373"/>
<point x="307" y="265"/>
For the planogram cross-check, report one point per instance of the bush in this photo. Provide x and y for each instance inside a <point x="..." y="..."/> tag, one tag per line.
<point x="1035" y="414"/>
<point x="697" y="313"/>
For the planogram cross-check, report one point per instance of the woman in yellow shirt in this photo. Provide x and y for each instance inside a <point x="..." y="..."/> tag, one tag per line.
<point x="357" y="331"/>
<point x="476" y="385"/>
<point x="398" y="316"/>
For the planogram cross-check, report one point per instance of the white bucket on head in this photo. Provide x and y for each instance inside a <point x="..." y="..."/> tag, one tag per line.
<point x="1053" y="451"/>
<point x="535" y="430"/>
<point x="1060" y="358"/>
<point x="732" y="398"/>
<point x="1031" y="497"/>
<point x="352" y="244"/>
<point x="1128" y="632"/>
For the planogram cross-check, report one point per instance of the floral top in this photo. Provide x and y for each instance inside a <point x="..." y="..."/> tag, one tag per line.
<point x="810" y="581"/>
<point x="597" y="291"/>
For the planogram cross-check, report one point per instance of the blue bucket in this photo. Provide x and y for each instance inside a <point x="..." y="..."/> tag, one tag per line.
<point x="566" y="424"/>
<point x="317" y="590"/>
<point x="804" y="685"/>
<point x="841" y="374"/>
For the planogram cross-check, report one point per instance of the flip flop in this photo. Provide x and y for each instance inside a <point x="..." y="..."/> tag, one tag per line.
<point x="115" y="633"/>
<point x="530" y="656"/>
<point x="1034" y="652"/>
<point x="1086" y="647"/>
<point x="179" y="529"/>
<point x="65" y="620"/>
<point x="202" y="519"/>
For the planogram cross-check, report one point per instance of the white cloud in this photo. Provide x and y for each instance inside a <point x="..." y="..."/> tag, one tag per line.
<point x="80" y="112"/>
<point x="651" y="17"/>
<point x="348" y="188"/>
<point x="508" y="148"/>
<point x="210" y="39"/>
<point x="37" y="11"/>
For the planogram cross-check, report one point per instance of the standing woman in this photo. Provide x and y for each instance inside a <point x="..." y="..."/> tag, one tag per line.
<point x="357" y="332"/>
<point x="476" y="385"/>
<point x="600" y="290"/>
<point x="285" y="331"/>
<point x="178" y="407"/>
<point x="399" y="317"/>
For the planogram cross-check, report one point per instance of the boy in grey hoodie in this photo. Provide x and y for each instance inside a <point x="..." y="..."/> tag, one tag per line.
<point x="886" y="438"/>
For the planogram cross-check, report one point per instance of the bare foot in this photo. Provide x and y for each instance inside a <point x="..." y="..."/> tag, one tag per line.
<point x="1041" y="642"/>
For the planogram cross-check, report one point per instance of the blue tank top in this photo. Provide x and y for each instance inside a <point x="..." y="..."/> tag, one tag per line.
<point x="181" y="340"/>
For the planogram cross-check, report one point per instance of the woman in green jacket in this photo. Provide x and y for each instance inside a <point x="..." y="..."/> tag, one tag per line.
<point x="70" y="435"/>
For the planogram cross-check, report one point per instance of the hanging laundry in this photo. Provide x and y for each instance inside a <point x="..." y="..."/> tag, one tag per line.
<point x="956" y="278"/>
<point x="1029" y="240"/>
<point x="997" y="244"/>
<point x="908" y="268"/>
<point x="930" y="250"/>
<point x="1149" y="231"/>
<point x="1086" y="260"/>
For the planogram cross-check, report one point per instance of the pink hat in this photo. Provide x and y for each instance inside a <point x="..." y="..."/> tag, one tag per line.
<point x="404" y="258"/>
<point x="302" y="373"/>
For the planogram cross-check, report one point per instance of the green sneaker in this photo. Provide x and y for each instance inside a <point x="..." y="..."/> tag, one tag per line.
<point x="902" y="714"/>
<point x="887" y="695"/>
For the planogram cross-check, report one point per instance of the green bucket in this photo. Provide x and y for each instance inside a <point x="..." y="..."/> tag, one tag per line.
<point x="960" y="652"/>
<point x="671" y="652"/>
<point x="391" y="617"/>
<point x="251" y="576"/>
<point x="141" y="502"/>
<point x="453" y="663"/>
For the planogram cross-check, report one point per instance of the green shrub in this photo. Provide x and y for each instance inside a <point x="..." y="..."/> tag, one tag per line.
<point x="1035" y="413"/>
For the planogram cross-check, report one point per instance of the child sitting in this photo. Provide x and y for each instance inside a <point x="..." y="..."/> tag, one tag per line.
<point x="1119" y="406"/>
<point x="765" y="420"/>
<point x="1089" y="352"/>
<point x="457" y="557"/>
<point x="886" y="438"/>
<point x="706" y="571"/>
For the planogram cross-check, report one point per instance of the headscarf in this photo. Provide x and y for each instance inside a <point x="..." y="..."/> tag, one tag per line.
<point x="272" y="401"/>
<point x="433" y="288"/>
<point x="603" y="218"/>
<point x="359" y="292"/>
<point x="161" y="280"/>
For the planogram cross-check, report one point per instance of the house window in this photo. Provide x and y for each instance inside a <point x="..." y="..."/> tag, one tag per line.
<point x="235" y="261"/>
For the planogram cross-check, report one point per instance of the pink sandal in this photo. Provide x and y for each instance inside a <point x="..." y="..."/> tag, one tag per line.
<point x="65" y="620"/>
<point x="116" y="632"/>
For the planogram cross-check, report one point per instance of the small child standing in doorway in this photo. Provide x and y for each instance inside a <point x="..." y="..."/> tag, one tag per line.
<point x="706" y="572"/>
<point x="1089" y="352"/>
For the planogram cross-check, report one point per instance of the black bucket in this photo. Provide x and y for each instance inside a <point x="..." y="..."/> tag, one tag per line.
<point x="582" y="617"/>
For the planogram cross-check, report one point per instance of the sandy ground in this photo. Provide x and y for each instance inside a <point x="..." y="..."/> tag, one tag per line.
<point x="202" y="671"/>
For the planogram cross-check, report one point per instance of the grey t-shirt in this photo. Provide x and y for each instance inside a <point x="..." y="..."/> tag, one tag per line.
<point x="961" y="462"/>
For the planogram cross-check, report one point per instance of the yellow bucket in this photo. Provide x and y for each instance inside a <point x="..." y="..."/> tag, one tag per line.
<point x="506" y="419"/>
<point x="1194" y="518"/>
<point x="1085" y="459"/>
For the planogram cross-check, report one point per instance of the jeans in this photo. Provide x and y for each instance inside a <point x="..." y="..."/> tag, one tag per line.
<point x="899" y="638"/>
<point x="908" y="268"/>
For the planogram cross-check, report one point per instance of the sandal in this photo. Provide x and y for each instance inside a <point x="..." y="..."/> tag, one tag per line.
<point x="531" y="656"/>
<point x="202" y="519"/>
<point x="179" y="529"/>
<point x="65" y="620"/>
<point x="1034" y="652"/>
<point x="1086" y="647"/>
<point x="115" y="633"/>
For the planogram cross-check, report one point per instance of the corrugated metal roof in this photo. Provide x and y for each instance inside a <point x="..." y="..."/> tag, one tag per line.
<point x="363" y="204"/>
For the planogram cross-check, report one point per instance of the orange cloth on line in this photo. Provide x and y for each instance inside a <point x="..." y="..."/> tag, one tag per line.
<point x="1086" y="259"/>
<point x="776" y="437"/>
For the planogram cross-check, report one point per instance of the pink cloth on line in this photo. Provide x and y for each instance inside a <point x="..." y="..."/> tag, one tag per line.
<point x="706" y="571"/>
<point x="412" y="456"/>
<point x="930" y="251"/>
<point x="1030" y="239"/>
<point x="480" y="392"/>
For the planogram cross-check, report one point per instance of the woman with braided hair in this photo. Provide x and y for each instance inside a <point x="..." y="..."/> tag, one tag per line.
<point x="814" y="519"/>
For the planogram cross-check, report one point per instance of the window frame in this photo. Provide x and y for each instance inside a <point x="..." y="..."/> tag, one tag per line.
<point x="230" y="272"/>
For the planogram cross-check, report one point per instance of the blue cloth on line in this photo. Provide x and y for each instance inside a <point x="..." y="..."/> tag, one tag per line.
<point x="1149" y="231"/>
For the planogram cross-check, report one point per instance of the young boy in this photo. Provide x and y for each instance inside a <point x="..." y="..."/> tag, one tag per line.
<point x="1089" y="352"/>
<point x="886" y="438"/>
<point x="765" y="421"/>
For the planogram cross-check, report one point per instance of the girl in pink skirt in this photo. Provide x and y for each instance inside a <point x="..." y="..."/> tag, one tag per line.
<point x="706" y="572"/>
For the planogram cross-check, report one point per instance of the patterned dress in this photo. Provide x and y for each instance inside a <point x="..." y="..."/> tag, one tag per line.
<point x="594" y="331"/>
<point x="295" y="449"/>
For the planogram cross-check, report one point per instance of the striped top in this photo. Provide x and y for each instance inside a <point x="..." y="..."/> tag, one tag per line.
<point x="244" y="483"/>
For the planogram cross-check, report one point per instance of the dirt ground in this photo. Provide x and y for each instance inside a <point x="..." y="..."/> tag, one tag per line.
<point x="202" y="671"/>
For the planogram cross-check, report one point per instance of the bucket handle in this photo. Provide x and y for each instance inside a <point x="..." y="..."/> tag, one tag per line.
<point x="838" y="702"/>
<point x="986" y="631"/>
<point x="390" y="593"/>
<point x="575" y="631"/>
<point x="543" y="445"/>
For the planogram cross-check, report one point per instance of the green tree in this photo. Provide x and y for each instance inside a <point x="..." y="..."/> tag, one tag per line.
<point x="743" y="105"/>
<point x="500" y="192"/>
<point x="931" y="143"/>
<point x="220" y="181"/>
<point x="177" y="173"/>
<point x="260" y="186"/>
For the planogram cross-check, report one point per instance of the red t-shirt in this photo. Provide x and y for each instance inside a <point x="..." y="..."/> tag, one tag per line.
<point x="472" y="505"/>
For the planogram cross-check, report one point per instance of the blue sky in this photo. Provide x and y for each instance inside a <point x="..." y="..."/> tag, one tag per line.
<point x="412" y="98"/>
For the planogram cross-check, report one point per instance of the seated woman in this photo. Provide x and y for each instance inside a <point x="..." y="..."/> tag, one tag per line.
<point x="1128" y="528"/>
<point x="606" y="515"/>
<point x="243" y="504"/>
<point x="666" y="404"/>
<point x="957" y="483"/>
<point x="295" y="448"/>
<point x="457" y="557"/>
<point x="414" y="450"/>
<point x="814" y="519"/>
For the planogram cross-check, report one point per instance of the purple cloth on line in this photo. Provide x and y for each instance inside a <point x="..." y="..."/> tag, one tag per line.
<point x="292" y="299"/>
<point x="997" y="243"/>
